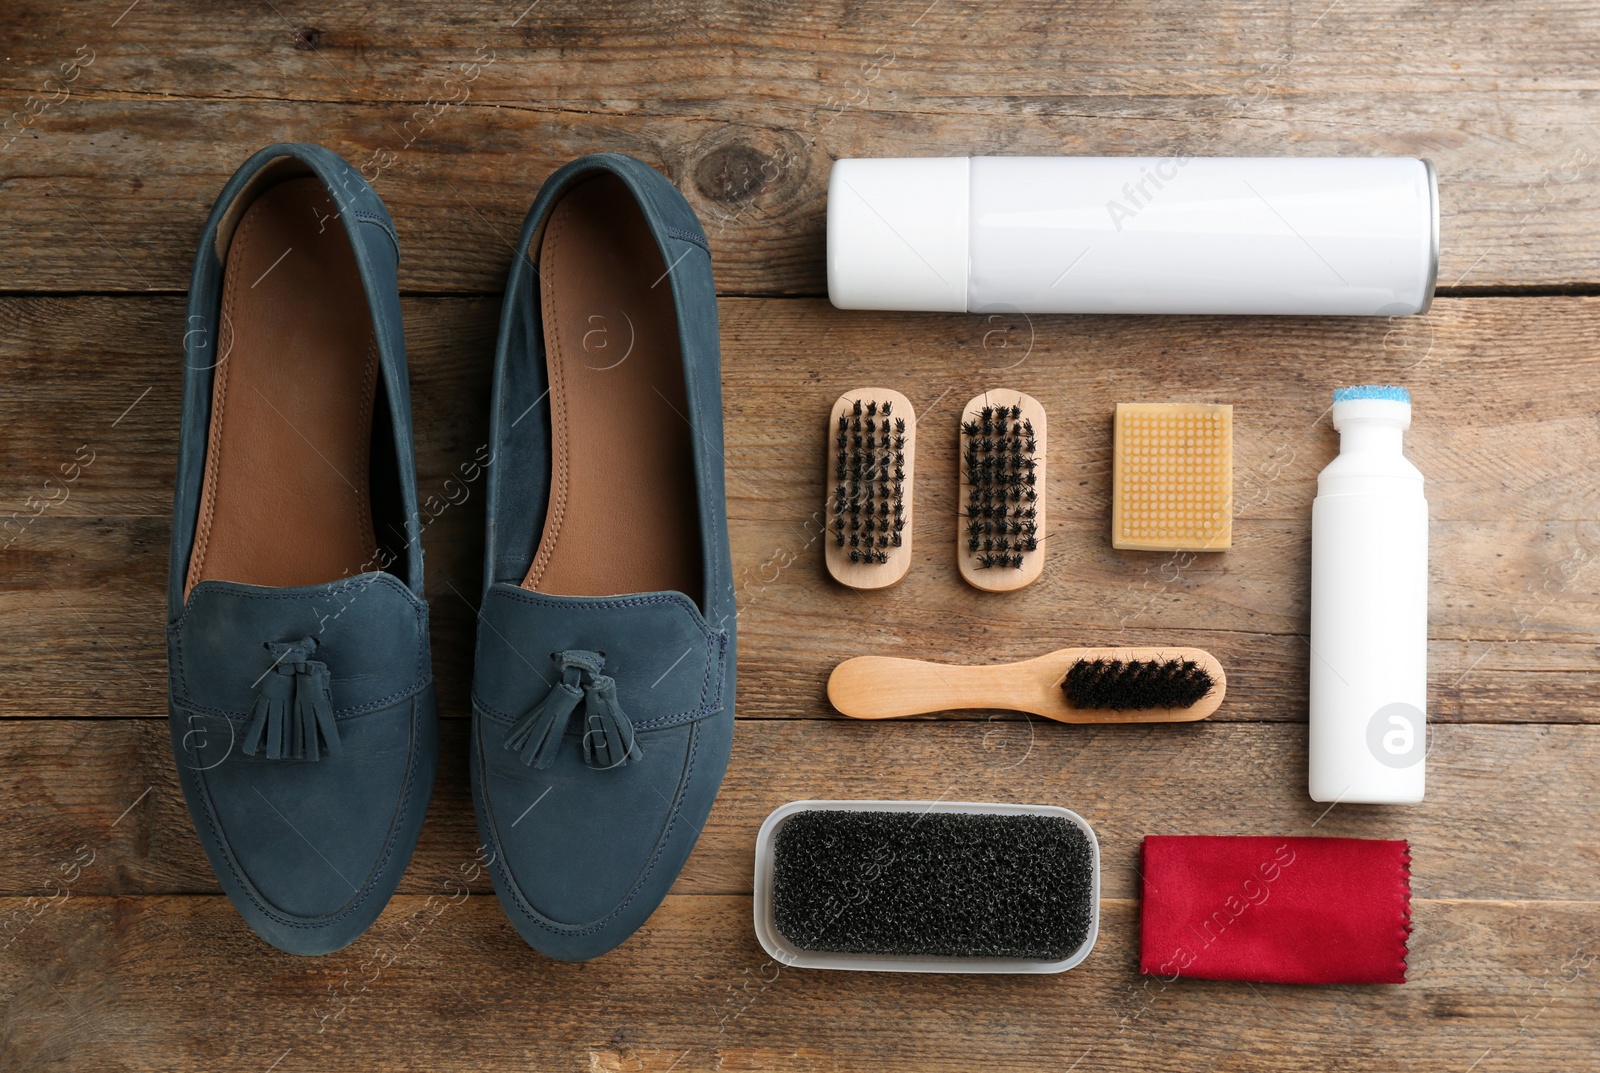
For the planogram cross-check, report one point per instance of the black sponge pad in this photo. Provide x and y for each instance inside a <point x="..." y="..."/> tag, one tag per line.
<point x="937" y="884"/>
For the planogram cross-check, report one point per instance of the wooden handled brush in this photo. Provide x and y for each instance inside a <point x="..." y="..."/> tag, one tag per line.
<point x="1072" y="685"/>
<point x="872" y="443"/>
<point x="1000" y="543"/>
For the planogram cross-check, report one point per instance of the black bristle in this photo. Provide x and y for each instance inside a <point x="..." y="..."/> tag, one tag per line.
<point x="1136" y="685"/>
<point x="1001" y="469"/>
<point x="934" y="884"/>
<point x="869" y="471"/>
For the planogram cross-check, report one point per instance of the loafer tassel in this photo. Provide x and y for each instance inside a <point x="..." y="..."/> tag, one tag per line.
<point x="292" y="718"/>
<point x="608" y="736"/>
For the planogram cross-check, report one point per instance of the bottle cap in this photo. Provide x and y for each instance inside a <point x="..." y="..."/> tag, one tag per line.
<point x="1372" y="402"/>
<point x="897" y="233"/>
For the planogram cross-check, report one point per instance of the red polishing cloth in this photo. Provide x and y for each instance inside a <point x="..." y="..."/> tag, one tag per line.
<point x="1276" y="910"/>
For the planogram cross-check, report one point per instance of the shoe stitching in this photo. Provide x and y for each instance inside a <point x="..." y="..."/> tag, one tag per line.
<point x="678" y="600"/>
<point x="520" y="900"/>
<point x="716" y="663"/>
<point x="368" y="885"/>
<point x="179" y="687"/>
<point x="687" y="236"/>
<point x="369" y="379"/>
<point x="377" y="220"/>
<point x="377" y="577"/>
<point x="664" y="722"/>
<point x="700" y="405"/>
<point x="378" y="705"/>
<point x="219" y="398"/>
<point x="556" y="508"/>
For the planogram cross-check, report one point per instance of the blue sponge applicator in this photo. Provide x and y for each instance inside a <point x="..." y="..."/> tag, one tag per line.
<point x="1372" y="391"/>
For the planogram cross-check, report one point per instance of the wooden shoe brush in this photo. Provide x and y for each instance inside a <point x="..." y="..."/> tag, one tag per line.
<point x="1001" y="537"/>
<point x="1072" y="685"/>
<point x="872" y="438"/>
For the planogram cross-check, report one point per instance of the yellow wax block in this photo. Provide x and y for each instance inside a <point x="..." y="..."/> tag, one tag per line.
<point x="1172" y="478"/>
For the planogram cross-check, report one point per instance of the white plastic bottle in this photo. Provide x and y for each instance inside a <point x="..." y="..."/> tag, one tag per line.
<point x="1369" y="608"/>
<point x="1346" y="236"/>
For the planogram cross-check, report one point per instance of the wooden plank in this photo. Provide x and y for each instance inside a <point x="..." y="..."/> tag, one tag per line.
<point x="360" y="53"/>
<point x="1506" y="431"/>
<point x="460" y="192"/>
<point x="83" y="609"/>
<point x="459" y="112"/>
<point x="161" y="983"/>
<point x="101" y="379"/>
<point x="84" y="612"/>
<point x="1504" y="803"/>
<point x="1505" y="426"/>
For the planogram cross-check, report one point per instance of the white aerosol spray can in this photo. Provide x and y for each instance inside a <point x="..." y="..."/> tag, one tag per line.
<point x="1343" y="236"/>
<point x="1369" y="608"/>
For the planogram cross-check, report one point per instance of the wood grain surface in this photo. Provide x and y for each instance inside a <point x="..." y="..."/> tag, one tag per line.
<point x="126" y="119"/>
<point x="1506" y="814"/>
<point x="458" y="108"/>
<point x="442" y="984"/>
<point x="1507" y="431"/>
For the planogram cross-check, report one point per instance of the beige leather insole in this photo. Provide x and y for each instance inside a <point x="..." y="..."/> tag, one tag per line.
<point x="623" y="514"/>
<point x="286" y="498"/>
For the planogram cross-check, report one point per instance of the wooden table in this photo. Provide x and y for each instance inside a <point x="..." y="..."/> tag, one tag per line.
<point x="121" y="954"/>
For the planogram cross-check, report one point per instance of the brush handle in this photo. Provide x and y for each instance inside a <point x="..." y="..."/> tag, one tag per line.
<point x="888" y="687"/>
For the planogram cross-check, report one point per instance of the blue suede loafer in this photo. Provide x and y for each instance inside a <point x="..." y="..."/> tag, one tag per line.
<point x="300" y="690"/>
<point x="604" y="676"/>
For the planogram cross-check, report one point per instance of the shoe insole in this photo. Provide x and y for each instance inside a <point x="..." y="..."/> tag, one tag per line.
<point x="623" y="514"/>
<point x="286" y="498"/>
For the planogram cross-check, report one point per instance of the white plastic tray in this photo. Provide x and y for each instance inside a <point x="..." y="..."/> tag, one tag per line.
<point x="774" y="943"/>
